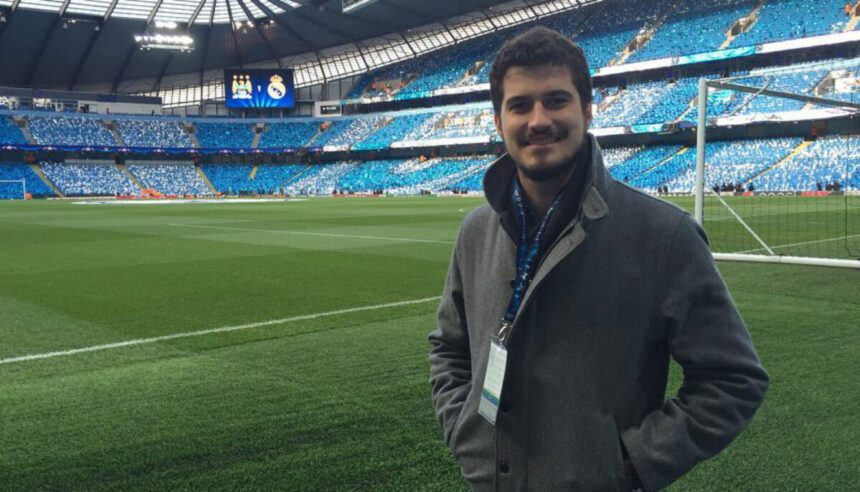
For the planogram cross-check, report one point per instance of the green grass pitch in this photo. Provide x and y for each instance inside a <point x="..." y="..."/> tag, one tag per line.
<point x="329" y="399"/>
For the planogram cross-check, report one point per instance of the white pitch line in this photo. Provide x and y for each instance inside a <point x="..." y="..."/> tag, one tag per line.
<point x="802" y="244"/>
<point x="323" y="234"/>
<point x="223" y="329"/>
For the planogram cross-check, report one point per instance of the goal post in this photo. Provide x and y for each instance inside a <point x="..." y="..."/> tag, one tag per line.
<point x="802" y="206"/>
<point x="10" y="187"/>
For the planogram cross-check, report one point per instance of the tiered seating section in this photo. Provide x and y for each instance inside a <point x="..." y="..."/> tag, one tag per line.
<point x="699" y="23"/>
<point x="15" y="172"/>
<point x="319" y="180"/>
<point x="224" y="135"/>
<point x="730" y="165"/>
<point x="152" y="133"/>
<point x="345" y="133"/>
<point x="273" y="178"/>
<point x="288" y="134"/>
<point x="818" y="167"/>
<point x="603" y="30"/>
<point x="642" y="103"/>
<point x="69" y="130"/>
<point x="96" y="178"/>
<point x="791" y="19"/>
<point x="766" y="164"/>
<point x="230" y="179"/>
<point x="10" y="134"/>
<point x="170" y="178"/>
<point x="398" y="129"/>
<point x="769" y="164"/>
<point x="410" y="177"/>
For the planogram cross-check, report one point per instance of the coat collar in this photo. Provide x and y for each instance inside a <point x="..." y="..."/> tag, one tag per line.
<point x="499" y="177"/>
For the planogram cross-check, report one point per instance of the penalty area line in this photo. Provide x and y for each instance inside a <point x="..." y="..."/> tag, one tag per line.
<point x="804" y="243"/>
<point x="223" y="329"/>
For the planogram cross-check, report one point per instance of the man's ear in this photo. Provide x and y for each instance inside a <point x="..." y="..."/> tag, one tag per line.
<point x="499" y="126"/>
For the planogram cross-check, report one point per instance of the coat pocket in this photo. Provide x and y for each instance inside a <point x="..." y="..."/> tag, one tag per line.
<point x="630" y="481"/>
<point x="461" y="418"/>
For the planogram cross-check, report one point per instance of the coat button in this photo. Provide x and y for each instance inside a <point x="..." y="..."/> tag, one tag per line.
<point x="512" y="283"/>
<point x="503" y="467"/>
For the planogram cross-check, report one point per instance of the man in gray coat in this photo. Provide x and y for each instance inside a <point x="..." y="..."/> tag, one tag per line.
<point x="566" y="296"/>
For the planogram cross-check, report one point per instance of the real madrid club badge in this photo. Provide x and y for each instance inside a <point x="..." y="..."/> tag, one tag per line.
<point x="276" y="89"/>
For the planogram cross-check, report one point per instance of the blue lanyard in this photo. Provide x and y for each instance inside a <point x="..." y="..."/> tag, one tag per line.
<point x="527" y="253"/>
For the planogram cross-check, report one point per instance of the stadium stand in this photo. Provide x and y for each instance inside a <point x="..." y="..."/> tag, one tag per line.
<point x="798" y="83"/>
<point x="396" y="130"/>
<point x="270" y="179"/>
<point x="152" y="133"/>
<point x="779" y="20"/>
<point x="69" y="130"/>
<point x="89" y="178"/>
<point x="613" y="26"/>
<point x="224" y="135"/>
<point x="642" y="161"/>
<point x="319" y="180"/>
<point x="169" y="178"/>
<point x="10" y="134"/>
<point x="694" y="26"/>
<point x="634" y="102"/>
<point x="827" y="161"/>
<point x="409" y="177"/>
<point x="680" y="96"/>
<point x="612" y="156"/>
<point x="604" y="30"/>
<point x="471" y="181"/>
<point x="230" y="179"/>
<point x="731" y="164"/>
<point x="288" y="134"/>
<point x="344" y="133"/>
<point x="464" y="123"/>
<point x="14" y="172"/>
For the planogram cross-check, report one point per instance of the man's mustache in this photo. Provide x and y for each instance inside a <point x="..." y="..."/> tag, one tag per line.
<point x="549" y="133"/>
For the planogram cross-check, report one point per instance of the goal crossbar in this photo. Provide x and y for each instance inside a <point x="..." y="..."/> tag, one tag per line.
<point x="821" y="101"/>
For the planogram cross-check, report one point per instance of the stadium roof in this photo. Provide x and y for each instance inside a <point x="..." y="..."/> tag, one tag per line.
<point x="75" y="44"/>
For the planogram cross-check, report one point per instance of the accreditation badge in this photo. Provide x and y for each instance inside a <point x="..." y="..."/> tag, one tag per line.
<point x="491" y="393"/>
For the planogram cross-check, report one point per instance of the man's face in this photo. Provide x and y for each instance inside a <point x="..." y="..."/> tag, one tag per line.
<point x="541" y="120"/>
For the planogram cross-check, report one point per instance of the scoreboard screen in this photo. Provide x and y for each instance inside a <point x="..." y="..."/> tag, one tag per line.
<point x="259" y="88"/>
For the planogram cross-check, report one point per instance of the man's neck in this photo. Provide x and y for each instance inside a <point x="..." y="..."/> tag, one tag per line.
<point x="540" y="194"/>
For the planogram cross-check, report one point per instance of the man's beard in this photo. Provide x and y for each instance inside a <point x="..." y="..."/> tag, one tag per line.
<point x="556" y="170"/>
<point x="548" y="173"/>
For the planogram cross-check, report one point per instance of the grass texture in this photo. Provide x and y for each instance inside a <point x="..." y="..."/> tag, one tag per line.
<point x="334" y="402"/>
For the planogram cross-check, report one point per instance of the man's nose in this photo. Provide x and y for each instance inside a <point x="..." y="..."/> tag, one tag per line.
<point x="539" y="117"/>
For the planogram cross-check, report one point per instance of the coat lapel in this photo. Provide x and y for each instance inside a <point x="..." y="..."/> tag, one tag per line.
<point x="593" y="208"/>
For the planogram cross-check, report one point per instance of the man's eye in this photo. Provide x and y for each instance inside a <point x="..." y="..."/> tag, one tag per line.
<point x="556" y="102"/>
<point x="518" y="107"/>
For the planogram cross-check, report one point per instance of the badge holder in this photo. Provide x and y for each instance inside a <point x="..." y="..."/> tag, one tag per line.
<point x="491" y="393"/>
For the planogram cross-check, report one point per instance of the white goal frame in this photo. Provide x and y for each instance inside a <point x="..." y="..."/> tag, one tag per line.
<point x="701" y="189"/>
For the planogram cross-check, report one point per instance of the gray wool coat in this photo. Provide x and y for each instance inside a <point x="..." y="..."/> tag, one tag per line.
<point x="626" y="285"/>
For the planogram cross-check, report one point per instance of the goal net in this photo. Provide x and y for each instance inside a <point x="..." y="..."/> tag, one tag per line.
<point x="12" y="189"/>
<point x="782" y="199"/>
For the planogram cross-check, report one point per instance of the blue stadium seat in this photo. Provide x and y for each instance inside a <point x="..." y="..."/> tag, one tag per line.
<point x="89" y="178"/>
<point x="136" y="132"/>
<point x="14" y="172"/>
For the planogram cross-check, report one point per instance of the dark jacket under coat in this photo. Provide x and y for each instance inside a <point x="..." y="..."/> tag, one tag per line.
<point x="627" y="284"/>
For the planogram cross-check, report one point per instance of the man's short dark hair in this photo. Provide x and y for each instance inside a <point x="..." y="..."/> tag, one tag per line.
<point x="540" y="46"/>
